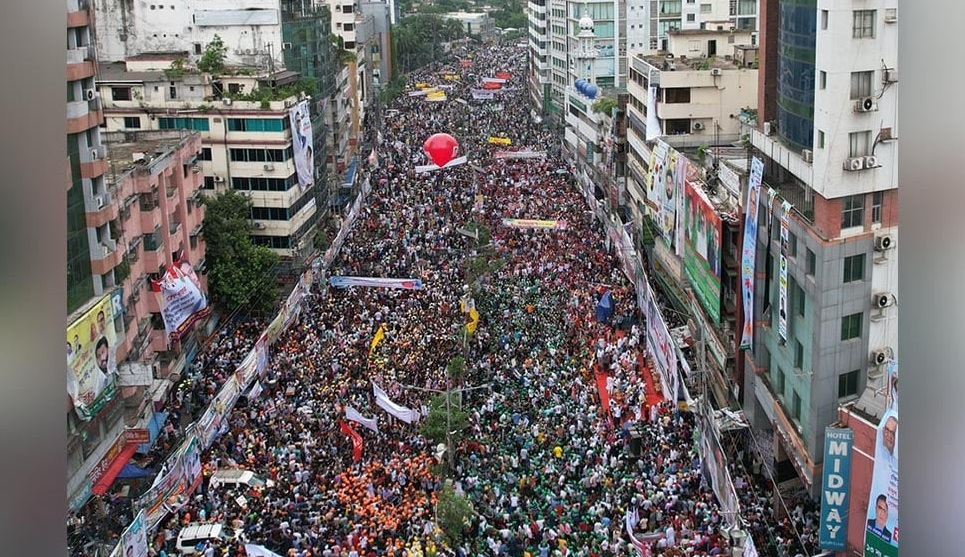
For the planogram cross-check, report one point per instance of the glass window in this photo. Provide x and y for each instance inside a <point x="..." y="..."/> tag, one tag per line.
<point x="848" y="384"/>
<point x="824" y="20"/>
<point x="791" y="245"/>
<point x="860" y="144"/>
<point x="861" y="84"/>
<point x="780" y="382"/>
<point x="823" y="79"/>
<point x="851" y="326"/>
<point x="132" y="122"/>
<point x="864" y="24"/>
<point x="801" y="301"/>
<point x="854" y="268"/>
<point x="796" y="406"/>
<point x="852" y="211"/>
<point x="121" y="93"/>
<point x="811" y="262"/>
<point x="877" y="200"/>
<point x="798" y="354"/>
<point x="820" y="139"/>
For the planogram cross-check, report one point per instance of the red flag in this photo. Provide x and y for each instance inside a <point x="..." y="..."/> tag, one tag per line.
<point x="356" y="440"/>
<point x="604" y="395"/>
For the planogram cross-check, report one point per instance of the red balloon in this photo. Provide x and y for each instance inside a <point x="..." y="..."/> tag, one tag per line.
<point x="441" y="148"/>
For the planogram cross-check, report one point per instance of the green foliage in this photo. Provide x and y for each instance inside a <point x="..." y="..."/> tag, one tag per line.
<point x="267" y="94"/>
<point x="176" y="71"/>
<point x="604" y="105"/>
<point x="509" y="13"/>
<point x="321" y="241"/>
<point x="456" y="369"/>
<point x="241" y="273"/>
<point x="417" y="39"/>
<point x="213" y="57"/>
<point x="436" y="424"/>
<point x="455" y="513"/>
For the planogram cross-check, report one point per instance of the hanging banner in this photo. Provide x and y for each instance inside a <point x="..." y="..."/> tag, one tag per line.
<point x="655" y="185"/>
<point x="782" y="279"/>
<point x="661" y="346"/>
<point x="302" y="143"/>
<point x="702" y="251"/>
<point x="881" y="532"/>
<point x="673" y="178"/>
<point x="505" y="76"/>
<point x="407" y="415"/>
<point x="523" y="154"/>
<point x="749" y="250"/>
<point x="376" y="282"/>
<point x="835" y="488"/>
<point x="133" y="542"/>
<point x="493" y="80"/>
<point x="483" y="94"/>
<point x="356" y="440"/>
<point x="496" y="140"/>
<point x="182" y="300"/>
<point x="653" y="123"/>
<point x="528" y="223"/>
<point x="356" y="416"/>
<point x="91" y="359"/>
<point x="436" y="96"/>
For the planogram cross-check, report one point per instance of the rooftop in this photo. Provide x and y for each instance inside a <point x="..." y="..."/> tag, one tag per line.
<point x="165" y="55"/>
<point x="668" y="62"/>
<point x="127" y="151"/>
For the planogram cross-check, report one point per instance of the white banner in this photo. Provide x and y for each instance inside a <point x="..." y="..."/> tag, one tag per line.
<point x="405" y="414"/>
<point x="661" y="346"/>
<point x="182" y="301"/>
<point x="354" y="415"/>
<point x="749" y="250"/>
<point x="91" y="359"/>
<point x="302" y="141"/>
<point x="782" y="279"/>
<point x="376" y="282"/>
<point x="252" y="550"/>
<point x="653" y="123"/>
<point x="430" y="167"/>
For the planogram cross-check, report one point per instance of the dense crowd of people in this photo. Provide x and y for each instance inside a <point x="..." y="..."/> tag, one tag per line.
<point x="552" y="460"/>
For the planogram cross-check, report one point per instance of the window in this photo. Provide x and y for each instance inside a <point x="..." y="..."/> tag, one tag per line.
<point x="801" y="301"/>
<point x="677" y="95"/>
<point x="852" y="211"/>
<point x="780" y="382"/>
<point x="208" y="183"/>
<point x="132" y="122"/>
<point x="348" y="8"/>
<point x="791" y="245"/>
<point x="121" y="93"/>
<point x="796" y="406"/>
<point x="197" y="48"/>
<point x="823" y="79"/>
<point x="173" y="92"/>
<point x="811" y="262"/>
<point x="848" y="384"/>
<point x="706" y="8"/>
<point x="205" y="154"/>
<point x="860" y="144"/>
<point x="854" y="268"/>
<point x="348" y="27"/>
<point x="257" y="124"/>
<point x="197" y="124"/>
<point x="798" y="354"/>
<point x="824" y="20"/>
<point x="820" y="139"/>
<point x="691" y="17"/>
<point x="851" y="326"/>
<point x="877" y="199"/>
<point x="864" y="24"/>
<point x="861" y="85"/>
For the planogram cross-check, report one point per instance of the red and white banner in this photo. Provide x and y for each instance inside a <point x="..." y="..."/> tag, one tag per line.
<point x="182" y="301"/>
<point x="601" y="387"/>
<point x="530" y="223"/>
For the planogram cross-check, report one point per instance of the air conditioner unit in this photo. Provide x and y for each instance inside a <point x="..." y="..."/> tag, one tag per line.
<point x="286" y="46"/>
<point x="871" y="161"/>
<point x="698" y="126"/>
<point x="884" y="243"/>
<point x="881" y="356"/>
<point x="269" y="167"/>
<point x="768" y="128"/>
<point x="715" y="71"/>
<point x="90" y="94"/>
<point x="807" y="155"/>
<point x="260" y="225"/>
<point x="218" y="179"/>
<point x="891" y="15"/>
<point x="99" y="201"/>
<point x="883" y="300"/>
<point x="94" y="154"/>
<point x="891" y="76"/>
<point x="867" y="104"/>
<point x="249" y="52"/>
<point x="856" y="163"/>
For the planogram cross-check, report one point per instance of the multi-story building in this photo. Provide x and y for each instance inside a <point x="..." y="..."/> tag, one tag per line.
<point x="247" y="143"/>
<point x="826" y="131"/>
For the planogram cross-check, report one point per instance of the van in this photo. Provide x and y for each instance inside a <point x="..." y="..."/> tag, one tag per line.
<point x="196" y="533"/>
<point x="236" y="477"/>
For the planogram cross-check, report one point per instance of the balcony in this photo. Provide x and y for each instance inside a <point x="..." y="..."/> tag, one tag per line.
<point x="154" y="258"/>
<point x="76" y="55"/>
<point x="174" y="228"/>
<point x="104" y="257"/>
<point x="101" y="210"/>
<point x="150" y="218"/>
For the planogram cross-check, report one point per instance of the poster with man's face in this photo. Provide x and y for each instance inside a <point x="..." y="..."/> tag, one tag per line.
<point x="91" y="360"/>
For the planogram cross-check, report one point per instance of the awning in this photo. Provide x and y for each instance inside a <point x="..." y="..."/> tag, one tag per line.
<point x="132" y="471"/>
<point x="350" y="173"/>
<point x="154" y="428"/>
<point x="104" y="483"/>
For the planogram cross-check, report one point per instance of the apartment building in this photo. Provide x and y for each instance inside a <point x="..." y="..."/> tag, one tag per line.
<point x="826" y="129"/>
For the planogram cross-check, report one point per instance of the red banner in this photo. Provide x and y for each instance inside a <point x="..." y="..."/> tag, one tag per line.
<point x="604" y="395"/>
<point x="503" y="75"/>
<point x="356" y="440"/>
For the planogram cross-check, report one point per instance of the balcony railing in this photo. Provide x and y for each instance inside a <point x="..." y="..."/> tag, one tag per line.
<point x="801" y="197"/>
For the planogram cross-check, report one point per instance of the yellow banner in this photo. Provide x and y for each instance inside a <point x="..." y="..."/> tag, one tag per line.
<point x="422" y="86"/>
<point x="91" y="360"/>
<point x="436" y="96"/>
<point x="500" y="140"/>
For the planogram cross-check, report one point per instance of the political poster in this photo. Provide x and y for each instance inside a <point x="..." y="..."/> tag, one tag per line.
<point x="183" y="302"/>
<point x="749" y="250"/>
<point x="702" y="258"/>
<point x="661" y="346"/>
<point x="658" y="162"/>
<point x="91" y="359"/>
<point x="881" y="531"/>
<point x="133" y="542"/>
<point x="302" y="142"/>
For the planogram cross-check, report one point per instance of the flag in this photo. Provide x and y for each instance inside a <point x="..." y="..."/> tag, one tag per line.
<point x="379" y="335"/>
<point x="253" y="550"/>
<point x="356" y="440"/>
<point x="473" y="320"/>
<point x="354" y="415"/>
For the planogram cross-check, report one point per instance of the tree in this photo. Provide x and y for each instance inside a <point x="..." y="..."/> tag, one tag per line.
<point x="444" y="418"/>
<point x="240" y="275"/>
<point x="213" y="58"/>
<point x="455" y="513"/>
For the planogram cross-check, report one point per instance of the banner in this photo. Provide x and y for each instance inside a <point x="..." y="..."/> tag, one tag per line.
<point x="174" y="484"/>
<point x="133" y="542"/>
<point x="713" y="457"/>
<point x="528" y="223"/>
<point x="356" y="440"/>
<point x="601" y="380"/>
<point x="355" y="416"/>
<point x="182" y="301"/>
<point x="523" y="154"/>
<point x="782" y="278"/>
<point x="253" y="550"/>
<point x="749" y="250"/>
<point x="302" y="144"/>
<point x="256" y="390"/>
<point x="702" y="256"/>
<point x="673" y="178"/>
<point x="505" y="76"/>
<point x="653" y="123"/>
<point x="376" y="282"/>
<point x="881" y="532"/>
<point x="835" y="487"/>
<point x="407" y="415"/>
<point x="655" y="185"/>
<point x="643" y="542"/>
<point x="436" y="96"/>
<point x="493" y="80"/>
<point x="504" y="141"/>
<point x="91" y="359"/>
<point x="483" y="94"/>
<point x="661" y="346"/>
<point x="430" y="167"/>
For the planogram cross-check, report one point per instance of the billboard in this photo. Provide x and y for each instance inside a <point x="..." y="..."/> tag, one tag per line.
<point x="749" y="250"/>
<point x="835" y="487"/>
<point x="133" y="541"/>
<point x="182" y="300"/>
<point x="91" y="359"/>
<point x="782" y="277"/>
<point x="881" y="532"/>
<point x="658" y="161"/>
<point x="702" y="249"/>
<point x="302" y="142"/>
<point x="661" y="346"/>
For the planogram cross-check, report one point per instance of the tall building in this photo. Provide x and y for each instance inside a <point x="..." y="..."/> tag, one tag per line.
<point x="131" y="206"/>
<point x="826" y="130"/>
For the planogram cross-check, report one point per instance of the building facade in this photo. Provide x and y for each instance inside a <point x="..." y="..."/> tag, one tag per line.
<point x="826" y="130"/>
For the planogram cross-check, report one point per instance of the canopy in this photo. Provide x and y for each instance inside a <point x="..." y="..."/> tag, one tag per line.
<point x="604" y="309"/>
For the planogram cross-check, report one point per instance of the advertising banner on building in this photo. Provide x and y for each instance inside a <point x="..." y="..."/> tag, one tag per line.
<point x="133" y="541"/>
<point x="881" y="532"/>
<point x="716" y="466"/>
<point x="661" y="346"/>
<point x="835" y="488"/>
<point x="658" y="162"/>
<point x="182" y="301"/>
<point x="702" y="249"/>
<point x="91" y="359"/>
<point x="653" y="123"/>
<point x="749" y="250"/>
<point x="782" y="277"/>
<point x="673" y="179"/>
<point x="302" y="141"/>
